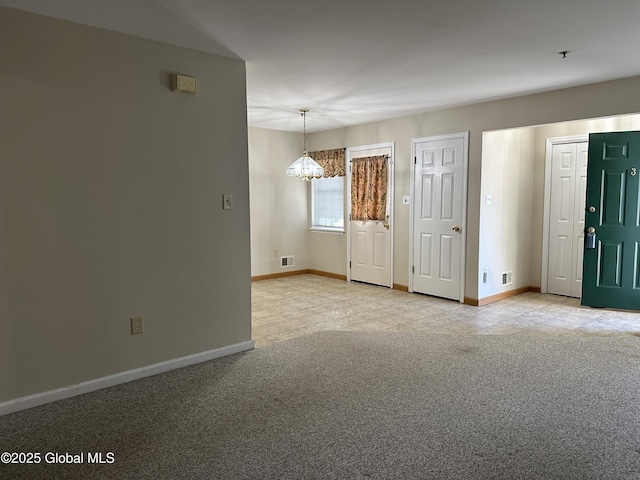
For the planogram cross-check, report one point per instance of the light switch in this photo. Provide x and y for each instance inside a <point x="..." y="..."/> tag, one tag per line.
<point x="227" y="201"/>
<point x="488" y="199"/>
<point x="406" y="200"/>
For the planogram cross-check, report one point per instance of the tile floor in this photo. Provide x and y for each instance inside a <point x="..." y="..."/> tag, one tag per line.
<point x="290" y="307"/>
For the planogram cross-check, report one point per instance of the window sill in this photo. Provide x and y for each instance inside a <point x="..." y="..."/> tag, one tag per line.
<point x="335" y="231"/>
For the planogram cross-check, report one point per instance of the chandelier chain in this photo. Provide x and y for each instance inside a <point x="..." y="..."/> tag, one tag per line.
<point x="304" y="129"/>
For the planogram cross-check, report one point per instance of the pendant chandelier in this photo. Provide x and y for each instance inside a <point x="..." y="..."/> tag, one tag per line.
<point x="305" y="168"/>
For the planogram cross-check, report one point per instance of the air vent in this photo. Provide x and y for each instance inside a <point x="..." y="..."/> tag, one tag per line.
<point x="507" y="278"/>
<point x="287" y="261"/>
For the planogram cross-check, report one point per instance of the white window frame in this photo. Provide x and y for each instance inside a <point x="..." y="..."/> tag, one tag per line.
<point x="326" y="228"/>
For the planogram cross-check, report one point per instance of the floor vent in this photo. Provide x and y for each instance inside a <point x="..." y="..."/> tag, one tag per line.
<point x="287" y="261"/>
<point x="507" y="278"/>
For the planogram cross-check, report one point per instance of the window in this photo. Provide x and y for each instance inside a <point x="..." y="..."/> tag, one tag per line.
<point x="327" y="204"/>
<point x="327" y="193"/>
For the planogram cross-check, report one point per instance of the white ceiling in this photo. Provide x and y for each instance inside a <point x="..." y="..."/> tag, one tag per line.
<point x="358" y="61"/>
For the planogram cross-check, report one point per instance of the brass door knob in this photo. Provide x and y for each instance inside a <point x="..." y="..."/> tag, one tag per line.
<point x="456" y="228"/>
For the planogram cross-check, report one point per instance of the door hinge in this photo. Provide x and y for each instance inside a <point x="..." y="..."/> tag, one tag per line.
<point x="415" y="159"/>
<point x="349" y="264"/>
<point x="413" y="269"/>
<point x="349" y="217"/>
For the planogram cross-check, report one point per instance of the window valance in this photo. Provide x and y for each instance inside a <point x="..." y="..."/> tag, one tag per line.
<point x="331" y="160"/>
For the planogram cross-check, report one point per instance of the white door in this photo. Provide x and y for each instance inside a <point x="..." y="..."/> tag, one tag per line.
<point x="439" y="196"/>
<point x="371" y="242"/>
<point x="370" y="253"/>
<point x="566" y="218"/>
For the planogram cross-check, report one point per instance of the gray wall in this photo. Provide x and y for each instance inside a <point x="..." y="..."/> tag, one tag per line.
<point x="111" y="204"/>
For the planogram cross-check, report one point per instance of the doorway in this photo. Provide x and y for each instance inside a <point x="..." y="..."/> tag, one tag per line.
<point x="438" y="215"/>
<point x="370" y="180"/>
<point x="566" y="188"/>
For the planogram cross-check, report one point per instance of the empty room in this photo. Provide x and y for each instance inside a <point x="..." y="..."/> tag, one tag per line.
<point x="247" y="240"/>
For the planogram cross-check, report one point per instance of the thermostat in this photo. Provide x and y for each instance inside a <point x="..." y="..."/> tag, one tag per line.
<point x="182" y="83"/>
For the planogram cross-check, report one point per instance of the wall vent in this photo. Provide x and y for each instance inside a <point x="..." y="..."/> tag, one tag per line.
<point x="287" y="261"/>
<point x="507" y="278"/>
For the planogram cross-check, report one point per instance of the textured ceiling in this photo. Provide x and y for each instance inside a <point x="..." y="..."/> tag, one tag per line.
<point x="358" y="61"/>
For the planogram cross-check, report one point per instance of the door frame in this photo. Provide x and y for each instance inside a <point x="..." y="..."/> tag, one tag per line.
<point x="463" y="234"/>
<point x="351" y="152"/>
<point x="549" y="143"/>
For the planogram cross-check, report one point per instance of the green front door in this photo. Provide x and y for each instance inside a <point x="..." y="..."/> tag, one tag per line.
<point x="611" y="268"/>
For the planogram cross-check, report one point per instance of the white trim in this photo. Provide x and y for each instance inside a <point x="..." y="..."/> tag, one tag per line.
<point x="327" y="230"/>
<point x="412" y="172"/>
<point x="42" y="398"/>
<point x="390" y="196"/>
<point x="550" y="142"/>
<point x="465" y="180"/>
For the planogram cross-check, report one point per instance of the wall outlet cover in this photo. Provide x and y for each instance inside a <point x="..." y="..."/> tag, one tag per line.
<point x="137" y="325"/>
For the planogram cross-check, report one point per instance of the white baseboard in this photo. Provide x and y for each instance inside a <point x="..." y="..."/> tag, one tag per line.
<point x="38" y="399"/>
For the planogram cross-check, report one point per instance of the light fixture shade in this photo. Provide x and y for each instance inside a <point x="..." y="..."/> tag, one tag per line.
<point x="305" y="168"/>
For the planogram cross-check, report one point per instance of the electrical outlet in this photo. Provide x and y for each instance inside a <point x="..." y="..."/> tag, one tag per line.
<point x="137" y="326"/>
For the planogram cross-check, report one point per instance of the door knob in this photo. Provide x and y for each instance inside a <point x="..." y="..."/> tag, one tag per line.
<point x="592" y="209"/>
<point x="456" y="228"/>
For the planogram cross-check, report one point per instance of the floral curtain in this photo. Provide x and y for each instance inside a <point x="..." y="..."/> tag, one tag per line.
<point x="369" y="188"/>
<point x="331" y="160"/>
